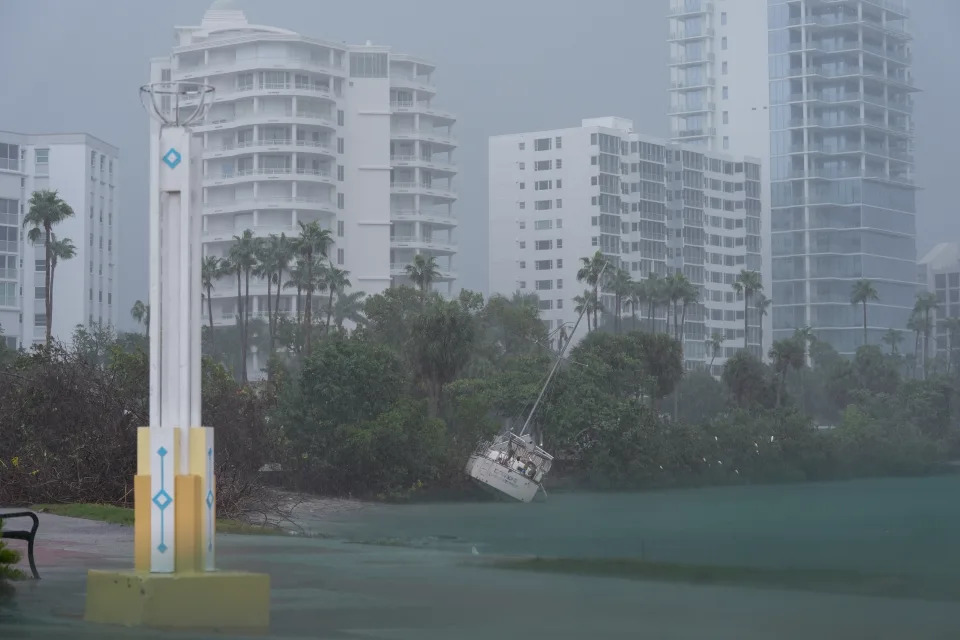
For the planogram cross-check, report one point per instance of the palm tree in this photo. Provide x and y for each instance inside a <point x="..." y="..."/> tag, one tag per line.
<point x="621" y="285"/>
<point x="587" y="304"/>
<point x="243" y="258"/>
<point x="637" y="297"/>
<point x="312" y="244"/>
<point x="141" y="313"/>
<point x="59" y="250"/>
<point x="862" y="292"/>
<point x="715" y="343"/>
<point x="423" y="271"/>
<point x="893" y="338"/>
<point x="211" y="268"/>
<point x="654" y="287"/>
<point x="689" y="295"/>
<point x="282" y="250"/>
<point x="337" y="281"/>
<point x="952" y="325"/>
<point x="925" y="305"/>
<point x="590" y="272"/>
<point x="786" y="354"/>
<point x="46" y="210"/>
<point x="349" y="308"/>
<point x="747" y="284"/>
<point x="762" y="304"/>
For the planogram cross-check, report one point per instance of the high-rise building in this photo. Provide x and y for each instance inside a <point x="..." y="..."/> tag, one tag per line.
<point x="84" y="171"/>
<point x="842" y="190"/>
<point x="650" y="206"/>
<point x="305" y="130"/>
<point x="820" y="91"/>
<point x="719" y="91"/>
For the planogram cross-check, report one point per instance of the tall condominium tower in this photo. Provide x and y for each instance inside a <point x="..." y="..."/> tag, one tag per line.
<point x="85" y="173"/>
<point x="650" y="206"/>
<point x="306" y="130"/>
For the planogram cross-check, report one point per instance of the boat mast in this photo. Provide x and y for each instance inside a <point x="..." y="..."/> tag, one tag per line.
<point x="556" y="365"/>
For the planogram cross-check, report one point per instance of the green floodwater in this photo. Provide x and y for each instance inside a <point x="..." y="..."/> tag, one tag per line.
<point x="894" y="525"/>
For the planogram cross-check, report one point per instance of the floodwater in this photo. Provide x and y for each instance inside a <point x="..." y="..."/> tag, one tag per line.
<point x="893" y="525"/>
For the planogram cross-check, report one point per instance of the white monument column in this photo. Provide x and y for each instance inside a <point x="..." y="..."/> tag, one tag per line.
<point x="175" y="583"/>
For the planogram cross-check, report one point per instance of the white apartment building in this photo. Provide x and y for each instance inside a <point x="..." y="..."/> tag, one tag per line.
<point x="820" y="90"/>
<point x="305" y="130"/>
<point x="650" y="205"/>
<point x="939" y="273"/>
<point x="84" y="171"/>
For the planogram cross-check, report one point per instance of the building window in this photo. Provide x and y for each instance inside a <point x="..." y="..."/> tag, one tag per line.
<point x="523" y="244"/>
<point x="522" y="224"/>
<point x="560" y="263"/>
<point x="339" y="117"/>
<point x="559" y="163"/>
<point x="340" y="172"/>
<point x="542" y="144"/>
<point x="594" y="180"/>
<point x="726" y="117"/>
<point x="523" y="284"/>
<point x="546" y="305"/>
<point x="339" y="145"/>
<point x="523" y="185"/>
<point x="522" y="146"/>
<point x="542" y="165"/>
<point x="593" y="160"/>
<point x="559" y="303"/>
<point x="523" y="264"/>
<point x="560" y="243"/>
<point x="559" y="283"/>
<point x="541" y="225"/>
<point x="522" y="166"/>
<point x="543" y="205"/>
<point x="723" y="67"/>
<point x="723" y="43"/>
<point x="339" y="256"/>
<point x="339" y="228"/>
<point x="542" y="185"/>
<point x="559" y="203"/>
<point x="726" y="142"/>
<point x="559" y="184"/>
<point x="543" y="245"/>
<point x="726" y="92"/>
<point x="43" y="161"/>
<point x="543" y="265"/>
<point x="559" y="223"/>
<point x="723" y="17"/>
<point x="543" y="285"/>
<point x="593" y="138"/>
<point x="558" y="142"/>
<point x="340" y="201"/>
<point x="93" y="159"/>
<point x="368" y="65"/>
<point x="523" y="205"/>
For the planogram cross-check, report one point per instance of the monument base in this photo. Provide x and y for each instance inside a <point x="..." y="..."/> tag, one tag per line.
<point x="217" y="600"/>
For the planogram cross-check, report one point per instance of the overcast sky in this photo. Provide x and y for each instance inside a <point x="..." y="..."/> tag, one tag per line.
<point x="503" y="66"/>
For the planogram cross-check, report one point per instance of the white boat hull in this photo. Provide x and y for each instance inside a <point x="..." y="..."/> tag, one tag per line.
<point x="501" y="479"/>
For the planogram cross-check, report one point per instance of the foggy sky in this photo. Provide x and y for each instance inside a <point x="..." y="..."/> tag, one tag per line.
<point x="502" y="66"/>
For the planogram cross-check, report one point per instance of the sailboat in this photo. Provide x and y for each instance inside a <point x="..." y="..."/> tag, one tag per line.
<point x="512" y="464"/>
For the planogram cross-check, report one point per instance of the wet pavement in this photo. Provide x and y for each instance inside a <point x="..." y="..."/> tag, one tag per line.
<point x="325" y="588"/>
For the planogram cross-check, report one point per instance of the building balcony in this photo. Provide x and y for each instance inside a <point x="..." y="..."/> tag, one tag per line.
<point x="284" y="173"/>
<point x="688" y="85"/>
<point x="266" y="89"/>
<point x="217" y="123"/>
<point x="264" y="63"/>
<point x="421" y="242"/>
<point x="406" y="82"/>
<point x="259" y="231"/>
<point x="424" y="216"/>
<point x="267" y="203"/>
<point x="410" y="106"/>
<point x="435" y="137"/>
<point x="269" y="145"/>
<point x="439" y="166"/>
<point x="704" y="108"/>
<point x="399" y="269"/>
<point x="683" y="35"/>
<point x="680" y="61"/>
<point x="689" y="134"/>
<point x="684" y="10"/>
<point x="421" y="189"/>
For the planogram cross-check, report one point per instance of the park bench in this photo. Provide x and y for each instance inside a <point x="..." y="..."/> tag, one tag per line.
<point x="28" y="536"/>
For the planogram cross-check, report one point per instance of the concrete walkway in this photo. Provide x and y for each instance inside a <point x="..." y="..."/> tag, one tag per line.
<point x="331" y="589"/>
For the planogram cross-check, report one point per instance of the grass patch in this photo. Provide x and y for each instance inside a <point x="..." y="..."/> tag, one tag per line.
<point x="124" y="516"/>
<point x="831" y="581"/>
